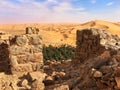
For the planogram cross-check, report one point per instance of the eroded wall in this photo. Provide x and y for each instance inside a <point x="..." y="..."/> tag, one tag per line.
<point x="92" y="42"/>
<point x="21" y="53"/>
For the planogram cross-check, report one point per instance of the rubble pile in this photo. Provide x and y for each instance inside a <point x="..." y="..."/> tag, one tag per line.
<point x="97" y="64"/>
<point x="98" y="52"/>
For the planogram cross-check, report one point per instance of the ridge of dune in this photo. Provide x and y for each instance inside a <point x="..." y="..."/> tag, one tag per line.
<point x="113" y="27"/>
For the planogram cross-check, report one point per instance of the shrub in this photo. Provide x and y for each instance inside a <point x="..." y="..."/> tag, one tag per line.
<point x="63" y="52"/>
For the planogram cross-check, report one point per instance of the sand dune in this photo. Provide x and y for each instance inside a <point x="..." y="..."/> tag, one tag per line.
<point x="57" y="34"/>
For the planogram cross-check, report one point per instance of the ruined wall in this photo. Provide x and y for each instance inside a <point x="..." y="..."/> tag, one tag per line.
<point x="26" y="51"/>
<point x="4" y="52"/>
<point x="4" y="57"/>
<point x="99" y="52"/>
<point x="21" y="53"/>
<point x="93" y="42"/>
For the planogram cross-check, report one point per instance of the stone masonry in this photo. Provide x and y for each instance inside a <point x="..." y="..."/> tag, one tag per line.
<point x="25" y="51"/>
<point x="21" y="53"/>
<point x="92" y="42"/>
<point x="99" y="54"/>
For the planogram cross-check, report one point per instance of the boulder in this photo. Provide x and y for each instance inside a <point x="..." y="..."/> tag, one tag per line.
<point x="13" y="60"/>
<point x="21" y="68"/>
<point x="35" y="39"/>
<point x="117" y="79"/>
<point x="49" y="80"/>
<point x="62" y="87"/>
<point x="25" y="84"/>
<point x="97" y="74"/>
<point x="32" y="30"/>
<point x="38" y="75"/>
<point x="21" y="40"/>
<point x="37" y="85"/>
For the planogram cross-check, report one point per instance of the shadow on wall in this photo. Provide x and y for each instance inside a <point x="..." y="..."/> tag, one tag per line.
<point x="4" y="58"/>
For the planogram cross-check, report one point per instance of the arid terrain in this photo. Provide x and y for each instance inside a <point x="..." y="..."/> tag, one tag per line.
<point x="96" y="65"/>
<point x="57" y="34"/>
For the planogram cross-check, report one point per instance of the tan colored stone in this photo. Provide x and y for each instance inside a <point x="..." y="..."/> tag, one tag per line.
<point x="21" y="40"/>
<point x="5" y="37"/>
<point x="22" y="68"/>
<point x="117" y="79"/>
<point x="62" y="73"/>
<point x="37" y="85"/>
<point x="97" y="74"/>
<point x="62" y="87"/>
<point x="24" y="83"/>
<point x="49" y="80"/>
<point x="8" y="88"/>
<point x="13" y="60"/>
<point x="35" y="39"/>
<point x="38" y="75"/>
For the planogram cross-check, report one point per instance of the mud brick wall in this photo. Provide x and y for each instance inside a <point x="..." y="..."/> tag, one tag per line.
<point x="93" y="42"/>
<point x="25" y="51"/>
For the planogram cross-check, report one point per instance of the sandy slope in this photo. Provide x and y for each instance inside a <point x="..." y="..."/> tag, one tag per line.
<point x="61" y="33"/>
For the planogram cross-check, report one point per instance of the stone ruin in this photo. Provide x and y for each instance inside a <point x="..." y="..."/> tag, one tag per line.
<point x="4" y="53"/>
<point x="93" y="42"/>
<point x="25" y="52"/>
<point x="21" y="55"/>
<point x="97" y="67"/>
<point x="98" y="53"/>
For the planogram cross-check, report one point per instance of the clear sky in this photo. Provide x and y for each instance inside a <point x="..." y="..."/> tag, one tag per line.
<point x="47" y="11"/>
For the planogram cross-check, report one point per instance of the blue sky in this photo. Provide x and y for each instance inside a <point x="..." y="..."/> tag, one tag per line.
<point x="57" y="11"/>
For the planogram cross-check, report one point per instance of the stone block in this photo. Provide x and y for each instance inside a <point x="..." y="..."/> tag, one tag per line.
<point x="38" y="75"/>
<point x="32" y="30"/>
<point x="37" y="48"/>
<point x="37" y="85"/>
<point x="35" y="57"/>
<point x="17" y="50"/>
<point x="22" y="59"/>
<point x="21" y="40"/>
<point x="117" y="72"/>
<point x="62" y="87"/>
<point x="13" y="60"/>
<point x="21" y="68"/>
<point x="117" y="79"/>
<point x="35" y="39"/>
<point x="5" y="37"/>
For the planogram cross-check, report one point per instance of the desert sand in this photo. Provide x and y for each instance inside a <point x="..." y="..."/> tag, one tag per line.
<point x="58" y="34"/>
